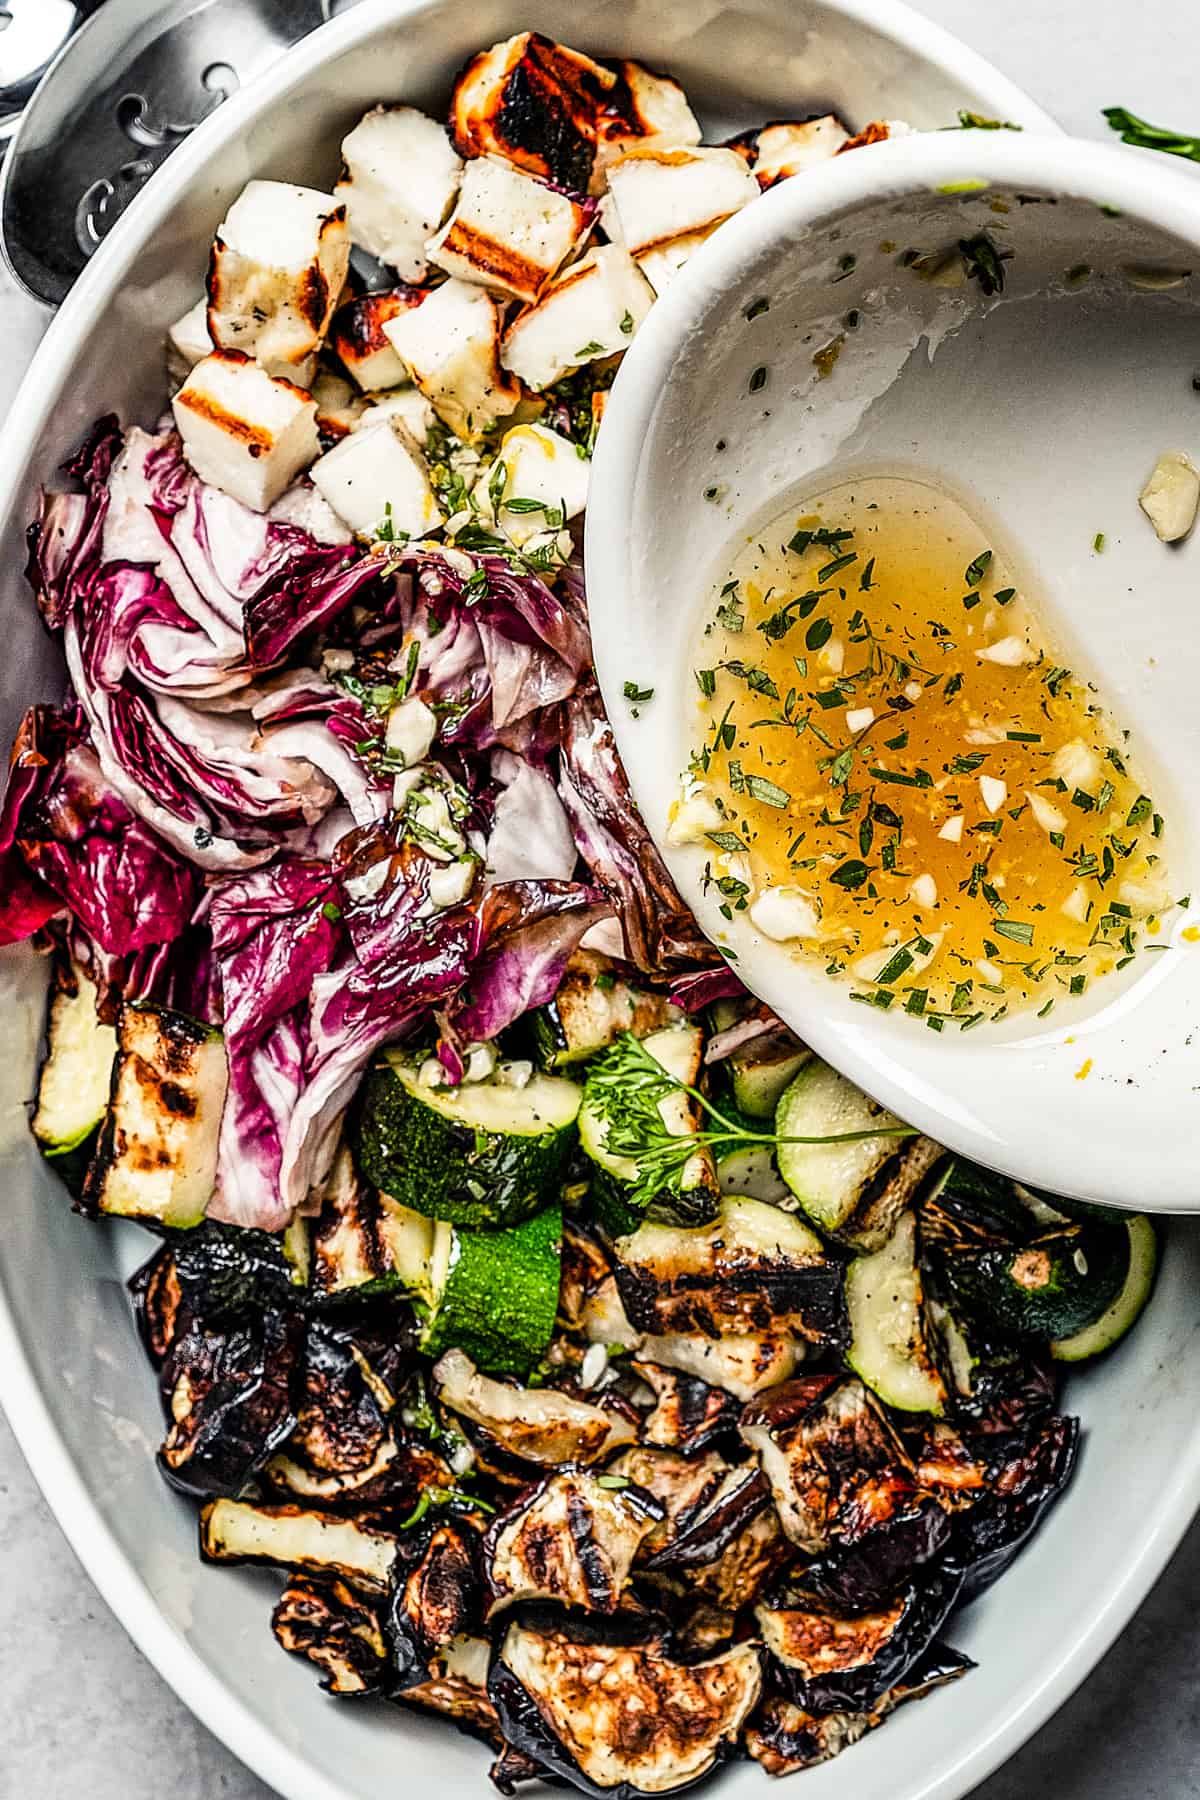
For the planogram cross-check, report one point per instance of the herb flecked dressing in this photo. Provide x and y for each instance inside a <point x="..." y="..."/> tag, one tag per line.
<point x="894" y="772"/>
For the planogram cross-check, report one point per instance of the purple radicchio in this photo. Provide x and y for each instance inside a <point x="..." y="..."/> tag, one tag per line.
<point x="65" y="540"/>
<point x="67" y="840"/>
<point x="661" y="935"/>
<point x="274" y="931"/>
<point x="529" y="930"/>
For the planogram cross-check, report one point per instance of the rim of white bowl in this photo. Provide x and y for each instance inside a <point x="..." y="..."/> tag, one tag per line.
<point x="955" y="162"/>
<point x="206" y="1695"/>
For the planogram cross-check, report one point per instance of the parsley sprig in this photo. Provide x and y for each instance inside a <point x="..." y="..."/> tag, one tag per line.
<point x="1151" y="137"/>
<point x="626" y="1087"/>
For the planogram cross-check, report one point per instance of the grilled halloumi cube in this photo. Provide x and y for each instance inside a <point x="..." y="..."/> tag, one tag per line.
<point x="357" y="337"/>
<point x="878" y="132"/>
<point x="450" y="345"/>
<point x="378" y="482"/>
<point x="591" y="310"/>
<point x="339" y="404"/>
<point x="401" y="176"/>
<point x="535" y="103"/>
<point x="646" y="110"/>
<point x="407" y="404"/>
<point x="509" y="232"/>
<point x="157" y="1153"/>
<point x="537" y="482"/>
<point x="785" y="148"/>
<point x="246" y="432"/>
<point x="188" y="340"/>
<point x="660" y="196"/>
<point x="661" y="265"/>
<point x="277" y="268"/>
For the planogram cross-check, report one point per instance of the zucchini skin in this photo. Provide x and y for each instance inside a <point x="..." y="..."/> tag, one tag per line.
<point x="446" y="1170"/>
<point x="500" y="1299"/>
<point x="1050" y="1287"/>
<point x="1123" y="1314"/>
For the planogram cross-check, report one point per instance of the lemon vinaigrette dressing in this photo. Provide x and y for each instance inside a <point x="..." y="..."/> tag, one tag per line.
<point x="895" y="773"/>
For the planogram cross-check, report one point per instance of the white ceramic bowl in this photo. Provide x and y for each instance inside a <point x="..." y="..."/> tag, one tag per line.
<point x="1049" y="407"/>
<point x="72" y="1377"/>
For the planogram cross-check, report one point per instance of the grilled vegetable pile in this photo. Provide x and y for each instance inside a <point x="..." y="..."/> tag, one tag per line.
<point x="597" y="1367"/>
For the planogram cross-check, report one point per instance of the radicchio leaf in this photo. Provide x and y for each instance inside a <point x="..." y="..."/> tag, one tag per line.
<point x="530" y="930"/>
<point x="81" y="847"/>
<point x="64" y="543"/>
<point x="661" y="935"/>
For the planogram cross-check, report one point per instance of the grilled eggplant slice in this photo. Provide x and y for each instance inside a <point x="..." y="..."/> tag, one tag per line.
<point x="784" y="1737"/>
<point x="844" y="1487"/>
<point x="535" y="1425"/>
<point x="819" y="1439"/>
<point x="229" y="1393"/>
<point x="754" y="1268"/>
<point x="829" y="1661"/>
<point x="226" y="1271"/>
<point x="1023" y="1484"/>
<point x="157" y="1304"/>
<point x="592" y="1007"/>
<point x="588" y="1298"/>
<point x="851" y="1191"/>
<point x="948" y="1467"/>
<point x="295" y="1537"/>
<point x="688" y="1414"/>
<point x="156" y="1157"/>
<point x="619" y="1719"/>
<point x="435" y="1599"/>
<point x="744" y="1366"/>
<point x="536" y="104"/>
<point x="458" y="1690"/>
<point x="337" y="1631"/>
<point x="720" y="1536"/>
<point x="571" y="1539"/>
<point x="354" y="1246"/>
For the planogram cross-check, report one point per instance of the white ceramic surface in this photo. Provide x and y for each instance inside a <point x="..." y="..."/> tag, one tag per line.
<point x="71" y="1376"/>
<point x="1047" y="409"/>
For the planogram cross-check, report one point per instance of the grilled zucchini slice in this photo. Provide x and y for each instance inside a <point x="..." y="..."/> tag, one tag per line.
<point x="1127" y="1308"/>
<point x="680" y="1050"/>
<point x="156" y="1158"/>
<point x="485" y="1154"/>
<point x="888" y="1346"/>
<point x="591" y="1009"/>
<point x="853" y="1191"/>
<point x="494" y="1294"/>
<point x="76" y="1077"/>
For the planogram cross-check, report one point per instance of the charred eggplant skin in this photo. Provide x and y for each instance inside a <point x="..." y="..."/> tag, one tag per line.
<point x="1024" y="1485"/>
<point x="896" y="1639"/>
<point x="436" y="1596"/>
<point x="337" y="1631"/>
<point x="231" y="1401"/>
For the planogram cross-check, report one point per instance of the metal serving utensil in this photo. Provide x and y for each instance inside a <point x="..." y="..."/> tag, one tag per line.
<point x="121" y="88"/>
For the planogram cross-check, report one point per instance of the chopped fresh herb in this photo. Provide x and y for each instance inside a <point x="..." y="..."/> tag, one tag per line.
<point x="1002" y="596"/>
<point x="839" y="562"/>
<point x="917" y="1001"/>
<point x="1023" y="737"/>
<point x="706" y="681"/>
<point x="973" y="121"/>
<point x="846" y="266"/>
<point x="1019" y="930"/>
<point x="1085" y="802"/>
<point x="710" y="493"/>
<point x="726" y="840"/>
<point x="616" y="1483"/>
<point x="780" y="623"/>
<point x="818" y="633"/>
<point x="895" y="967"/>
<point x="975" y="571"/>
<point x="864" y="580"/>
<point x="1140" y="811"/>
<point x="1078" y="983"/>
<point x="758" y="379"/>
<point x="633" y="692"/>
<point x="591" y="348"/>
<point x="920" y="778"/>
<point x="755" y="678"/>
<point x="821" y="537"/>
<point x="967" y="765"/>
<point x="984" y="263"/>
<point x="850" y="874"/>
<point x="1151" y="137"/>
<point x="627" y="324"/>
<point x="839" y="768"/>
<point x="758" y="307"/>
<point x="1098" y="542"/>
<point x="731" y="617"/>
<point x="767" y="791"/>
<point x="331" y="911"/>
